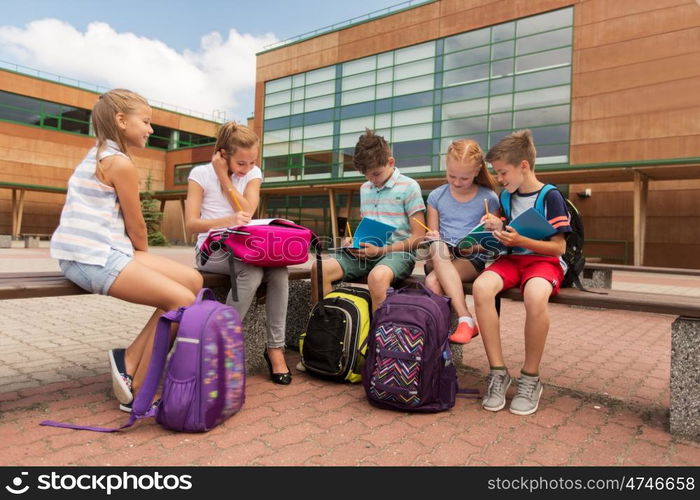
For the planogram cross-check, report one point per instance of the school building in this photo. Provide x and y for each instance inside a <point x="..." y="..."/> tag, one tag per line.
<point x="609" y="89"/>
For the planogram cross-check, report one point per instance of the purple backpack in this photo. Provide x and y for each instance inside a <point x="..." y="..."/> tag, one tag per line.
<point x="204" y="381"/>
<point x="409" y="362"/>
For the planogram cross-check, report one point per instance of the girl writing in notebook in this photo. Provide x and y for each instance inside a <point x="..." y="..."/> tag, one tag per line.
<point x="454" y="209"/>
<point x="226" y="192"/>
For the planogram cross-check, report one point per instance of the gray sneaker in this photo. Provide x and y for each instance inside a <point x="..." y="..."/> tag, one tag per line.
<point x="527" y="399"/>
<point x="497" y="384"/>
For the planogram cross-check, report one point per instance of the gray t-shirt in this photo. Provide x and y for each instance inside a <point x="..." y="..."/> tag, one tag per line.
<point x="458" y="218"/>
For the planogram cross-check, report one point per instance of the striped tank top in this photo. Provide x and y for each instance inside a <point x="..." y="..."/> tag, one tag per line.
<point x="91" y="221"/>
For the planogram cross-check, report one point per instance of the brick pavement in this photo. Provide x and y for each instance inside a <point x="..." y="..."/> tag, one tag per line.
<point x="606" y="397"/>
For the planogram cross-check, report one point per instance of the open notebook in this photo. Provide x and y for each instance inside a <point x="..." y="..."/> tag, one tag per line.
<point x="370" y="231"/>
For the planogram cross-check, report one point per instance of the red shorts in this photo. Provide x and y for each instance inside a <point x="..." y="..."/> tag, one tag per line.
<point x="518" y="269"/>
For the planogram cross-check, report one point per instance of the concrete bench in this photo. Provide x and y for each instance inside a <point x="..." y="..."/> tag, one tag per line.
<point x="685" y="347"/>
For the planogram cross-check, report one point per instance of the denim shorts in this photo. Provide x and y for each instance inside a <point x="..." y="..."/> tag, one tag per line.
<point x="96" y="279"/>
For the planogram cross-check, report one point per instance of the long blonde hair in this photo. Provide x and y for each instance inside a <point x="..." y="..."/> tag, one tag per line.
<point x="104" y="114"/>
<point x="463" y="150"/>
<point x="232" y="136"/>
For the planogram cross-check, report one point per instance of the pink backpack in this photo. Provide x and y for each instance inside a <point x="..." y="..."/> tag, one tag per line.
<point x="264" y="243"/>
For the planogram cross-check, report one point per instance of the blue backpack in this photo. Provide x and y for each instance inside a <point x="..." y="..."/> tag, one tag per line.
<point x="409" y="361"/>
<point x="573" y="255"/>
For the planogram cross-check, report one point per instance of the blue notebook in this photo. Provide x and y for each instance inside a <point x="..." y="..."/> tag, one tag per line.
<point x="370" y="231"/>
<point x="530" y="224"/>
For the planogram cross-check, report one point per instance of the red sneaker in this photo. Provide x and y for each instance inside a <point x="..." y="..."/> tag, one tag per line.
<point x="464" y="333"/>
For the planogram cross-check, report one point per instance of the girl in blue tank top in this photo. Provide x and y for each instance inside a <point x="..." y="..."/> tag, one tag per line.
<point x="454" y="209"/>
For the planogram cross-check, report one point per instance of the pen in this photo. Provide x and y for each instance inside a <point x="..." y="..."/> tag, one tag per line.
<point x="486" y="206"/>
<point x="347" y="225"/>
<point x="419" y="222"/>
<point x="235" y="200"/>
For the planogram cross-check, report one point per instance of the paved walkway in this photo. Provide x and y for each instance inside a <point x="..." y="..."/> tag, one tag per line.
<point x="606" y="396"/>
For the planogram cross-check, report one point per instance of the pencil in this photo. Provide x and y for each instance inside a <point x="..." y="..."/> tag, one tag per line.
<point x="486" y="206"/>
<point x="347" y="225"/>
<point x="419" y="222"/>
<point x="235" y="200"/>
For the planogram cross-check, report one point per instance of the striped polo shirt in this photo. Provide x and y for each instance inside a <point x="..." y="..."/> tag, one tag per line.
<point x="393" y="203"/>
<point x="91" y="221"/>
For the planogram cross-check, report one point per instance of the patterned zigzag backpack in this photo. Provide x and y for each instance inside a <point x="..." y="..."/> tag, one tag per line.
<point x="409" y="361"/>
<point x="204" y="381"/>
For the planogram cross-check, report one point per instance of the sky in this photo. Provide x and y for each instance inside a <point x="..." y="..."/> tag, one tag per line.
<point x="196" y="55"/>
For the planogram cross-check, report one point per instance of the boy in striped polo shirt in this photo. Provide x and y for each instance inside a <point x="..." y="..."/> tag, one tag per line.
<point x="389" y="197"/>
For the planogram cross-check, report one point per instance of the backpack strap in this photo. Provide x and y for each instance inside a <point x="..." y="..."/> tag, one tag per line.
<point x="539" y="201"/>
<point x="504" y="198"/>
<point x="142" y="404"/>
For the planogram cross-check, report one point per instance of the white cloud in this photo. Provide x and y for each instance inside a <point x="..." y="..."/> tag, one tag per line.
<point x="219" y="75"/>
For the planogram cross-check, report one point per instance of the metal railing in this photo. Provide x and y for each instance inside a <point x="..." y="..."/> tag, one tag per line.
<point x="392" y="9"/>
<point x="216" y="115"/>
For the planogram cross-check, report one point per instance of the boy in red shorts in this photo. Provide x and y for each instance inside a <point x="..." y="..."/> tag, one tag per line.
<point x="533" y="265"/>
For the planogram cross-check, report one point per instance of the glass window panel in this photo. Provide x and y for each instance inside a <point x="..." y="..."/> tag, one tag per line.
<point x="325" y="115"/>
<point x="412" y="132"/>
<point x="382" y="121"/>
<point x="359" y="66"/>
<point x="296" y="133"/>
<point x="361" y="109"/>
<point x="502" y="85"/>
<point x="281" y="148"/>
<point x="385" y="59"/>
<point x="298" y="94"/>
<point x="494" y="137"/>
<point x="411" y="116"/>
<point x="411" y="85"/>
<point x="384" y="90"/>
<point x="270" y="137"/>
<point x="410" y="101"/>
<point x="556" y="134"/>
<point x="358" y="81"/>
<point x="466" y="58"/>
<point x="464" y="75"/>
<point x="503" y="31"/>
<point x="542" y="116"/>
<point x="323" y="88"/>
<point x="318" y="165"/>
<point x="319" y="103"/>
<point x="299" y="80"/>
<point x="297" y="107"/>
<point x="467" y="40"/>
<point x="552" y="150"/>
<point x="501" y="68"/>
<point x="385" y="75"/>
<point x="17" y="101"/>
<point x="275" y="111"/>
<point x="465" y="92"/>
<point x="295" y="147"/>
<point x="356" y="124"/>
<point x="501" y="103"/>
<point x="318" y="130"/>
<point x="386" y="133"/>
<point x="414" y="53"/>
<point x="277" y="85"/>
<point x="275" y="124"/>
<point x="464" y="126"/>
<point x="320" y="75"/>
<point x="384" y="105"/>
<point x="465" y="108"/>
<point x="417" y="68"/>
<point x="358" y="95"/>
<point x="51" y="108"/>
<point x="544" y="41"/>
<point x="75" y="126"/>
<point x="501" y="121"/>
<point x="297" y="120"/>
<point x="542" y="97"/>
<point x="548" y="59"/>
<point x="545" y="22"/>
<point x="547" y="78"/>
<point x="277" y="98"/>
<point x="318" y="144"/>
<point x="503" y="50"/>
<point x="349" y="140"/>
